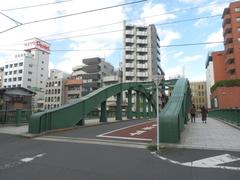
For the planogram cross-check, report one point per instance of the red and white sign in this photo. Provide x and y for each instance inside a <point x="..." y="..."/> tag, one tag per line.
<point x="37" y="44"/>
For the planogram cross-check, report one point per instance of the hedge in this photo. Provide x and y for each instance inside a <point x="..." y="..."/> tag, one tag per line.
<point x="225" y="83"/>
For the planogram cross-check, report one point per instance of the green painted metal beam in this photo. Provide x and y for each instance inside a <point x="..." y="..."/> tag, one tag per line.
<point x="75" y="113"/>
<point x="129" y="108"/>
<point x="118" y="107"/>
<point x="103" y="116"/>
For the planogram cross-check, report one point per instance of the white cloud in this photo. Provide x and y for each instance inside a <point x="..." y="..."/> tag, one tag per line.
<point x="167" y="36"/>
<point x="191" y="58"/>
<point x="201" y="23"/>
<point x="201" y="77"/>
<point x="215" y="37"/>
<point x="151" y="14"/>
<point x="173" y="72"/>
<point x="214" y="8"/>
<point x="69" y="59"/>
<point x="191" y="1"/>
<point x="178" y="54"/>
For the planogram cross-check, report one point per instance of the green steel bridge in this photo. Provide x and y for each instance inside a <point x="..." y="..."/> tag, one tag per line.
<point x="172" y="117"/>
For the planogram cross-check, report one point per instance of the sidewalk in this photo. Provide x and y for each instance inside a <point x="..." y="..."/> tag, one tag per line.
<point x="214" y="135"/>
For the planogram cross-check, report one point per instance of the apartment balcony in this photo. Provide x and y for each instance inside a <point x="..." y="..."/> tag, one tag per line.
<point x="228" y="37"/>
<point x="129" y="73"/>
<point x="73" y="92"/>
<point x="227" y="29"/>
<point x="141" y="33"/>
<point x="231" y="68"/>
<point x="91" y="68"/>
<point x="142" y="49"/>
<point x="129" y="48"/>
<point x="227" y="20"/>
<point x="93" y="84"/>
<point x="229" y="48"/>
<point x="139" y="57"/>
<point x="142" y="74"/>
<point x="142" y="66"/>
<point x="113" y="78"/>
<point x="229" y="59"/>
<point x="129" y="56"/>
<point x="91" y="76"/>
<point x="131" y="32"/>
<point x="92" y="61"/>
<point x="129" y="40"/>
<point x="129" y="65"/>
<point x="141" y="41"/>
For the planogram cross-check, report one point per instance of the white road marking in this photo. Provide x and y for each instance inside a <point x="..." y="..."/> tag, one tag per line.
<point x="138" y="132"/>
<point x="103" y="135"/>
<point x="148" y="128"/>
<point x="28" y="159"/>
<point x="211" y="162"/>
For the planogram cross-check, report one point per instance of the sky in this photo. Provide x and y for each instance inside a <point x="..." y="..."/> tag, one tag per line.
<point x="100" y="33"/>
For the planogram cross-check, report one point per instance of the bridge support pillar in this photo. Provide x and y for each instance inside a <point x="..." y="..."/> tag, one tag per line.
<point x="129" y="108"/>
<point x="138" y="105"/>
<point x="103" y="116"/>
<point x="118" y="107"/>
<point x="144" y="108"/>
<point x="149" y="109"/>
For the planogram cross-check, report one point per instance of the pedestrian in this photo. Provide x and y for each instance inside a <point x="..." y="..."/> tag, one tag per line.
<point x="204" y="114"/>
<point x="193" y="113"/>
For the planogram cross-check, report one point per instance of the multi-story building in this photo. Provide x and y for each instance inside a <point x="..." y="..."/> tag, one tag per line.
<point x="54" y="90"/>
<point x="199" y="97"/>
<point x="141" y="55"/>
<point x="29" y="69"/>
<point x="225" y="65"/>
<point x="72" y="90"/>
<point x="92" y="73"/>
<point x="231" y="34"/>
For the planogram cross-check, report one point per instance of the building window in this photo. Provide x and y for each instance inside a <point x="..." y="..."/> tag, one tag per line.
<point x="238" y="19"/>
<point x="29" y="72"/>
<point x="29" y="87"/>
<point x="29" y="79"/>
<point x="19" y="78"/>
<point x="11" y="65"/>
<point x="42" y="62"/>
<point x="15" y="79"/>
<point x="40" y="82"/>
<point x="10" y="72"/>
<point x="30" y="65"/>
<point x="41" y="75"/>
<point x="15" y="64"/>
<point x="20" y="71"/>
<point x="9" y="79"/>
<point x="41" y="68"/>
<point x="237" y="9"/>
<point x="5" y="80"/>
<point x="6" y="73"/>
<point x="19" y="85"/>
<point x="15" y="72"/>
<point x="6" y="66"/>
<point x="20" y="64"/>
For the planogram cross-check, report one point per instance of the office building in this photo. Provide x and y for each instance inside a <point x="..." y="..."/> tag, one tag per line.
<point x="199" y="97"/>
<point x="54" y="90"/>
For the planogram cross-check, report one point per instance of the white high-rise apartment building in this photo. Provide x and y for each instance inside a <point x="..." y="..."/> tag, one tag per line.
<point x="141" y="55"/>
<point x="29" y="69"/>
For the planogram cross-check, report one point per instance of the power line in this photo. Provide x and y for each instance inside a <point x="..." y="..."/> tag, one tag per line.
<point x="78" y="13"/>
<point x="36" y="5"/>
<point x="120" y="48"/>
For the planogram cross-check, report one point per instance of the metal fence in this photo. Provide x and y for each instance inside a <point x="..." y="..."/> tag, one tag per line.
<point x="230" y="115"/>
<point x="15" y="117"/>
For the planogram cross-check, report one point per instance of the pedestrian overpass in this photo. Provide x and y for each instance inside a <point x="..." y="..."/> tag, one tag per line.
<point x="172" y="117"/>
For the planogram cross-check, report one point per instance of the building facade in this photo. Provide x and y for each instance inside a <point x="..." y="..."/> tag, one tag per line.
<point x="225" y="64"/>
<point x="199" y="97"/>
<point x="141" y="53"/>
<point x="1" y="76"/>
<point x="72" y="90"/>
<point x="54" y="90"/>
<point x="29" y="69"/>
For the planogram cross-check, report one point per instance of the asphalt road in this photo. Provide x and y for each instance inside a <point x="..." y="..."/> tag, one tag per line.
<point x="24" y="159"/>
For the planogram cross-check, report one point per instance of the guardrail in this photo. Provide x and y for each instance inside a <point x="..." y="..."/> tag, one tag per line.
<point x="175" y="114"/>
<point x="230" y="115"/>
<point x="15" y="117"/>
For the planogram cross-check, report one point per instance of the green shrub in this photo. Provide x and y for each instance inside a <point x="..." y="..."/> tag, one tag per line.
<point x="226" y="83"/>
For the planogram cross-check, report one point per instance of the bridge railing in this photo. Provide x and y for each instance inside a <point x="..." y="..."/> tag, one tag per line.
<point x="230" y="115"/>
<point x="15" y="117"/>
<point x="175" y="114"/>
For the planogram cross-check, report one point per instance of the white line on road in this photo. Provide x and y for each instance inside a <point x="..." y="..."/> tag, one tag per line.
<point x="28" y="159"/>
<point x="211" y="162"/>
